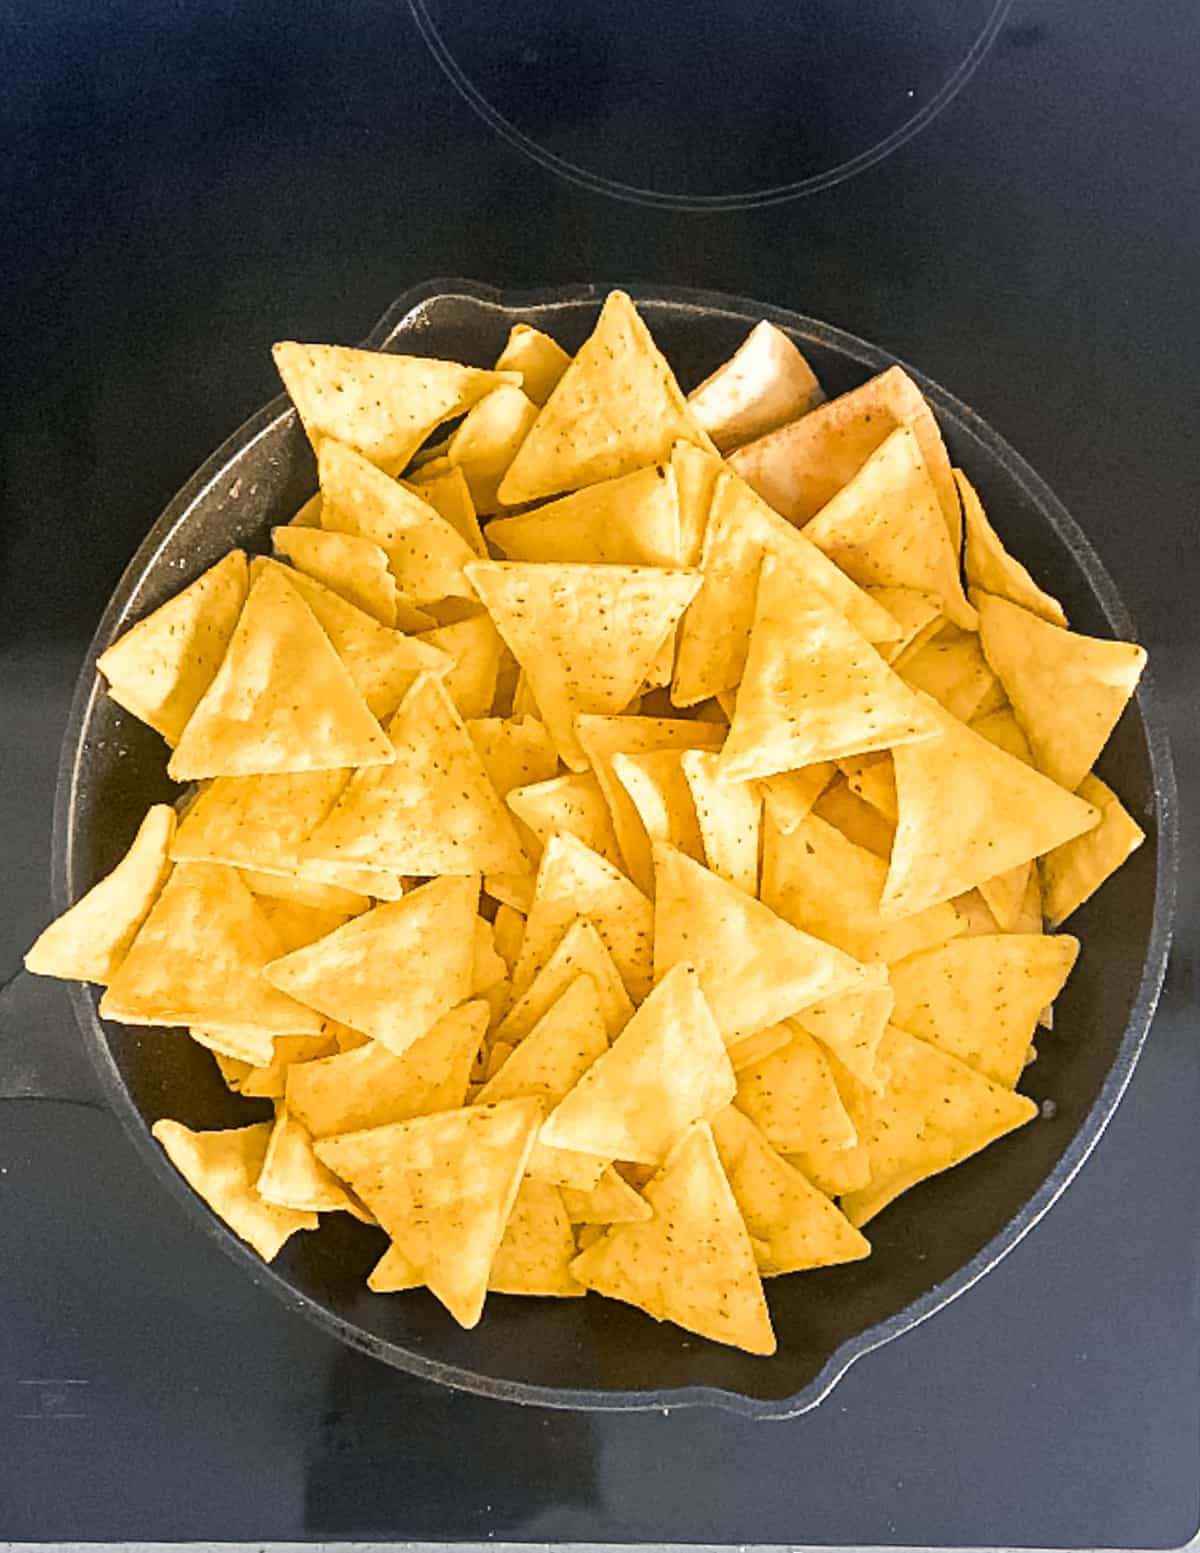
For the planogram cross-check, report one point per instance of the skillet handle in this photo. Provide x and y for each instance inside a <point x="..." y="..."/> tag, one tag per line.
<point x="41" y="1056"/>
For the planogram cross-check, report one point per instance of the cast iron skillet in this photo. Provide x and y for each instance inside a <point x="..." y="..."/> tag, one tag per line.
<point x="929" y="1247"/>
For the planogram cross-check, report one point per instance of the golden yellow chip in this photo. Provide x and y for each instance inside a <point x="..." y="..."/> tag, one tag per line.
<point x="851" y="1025"/>
<point x="838" y="1171"/>
<point x="511" y="889"/>
<point x="693" y="1262"/>
<point x="858" y="820"/>
<point x="393" y="972"/>
<point x="353" y="567"/>
<point x="160" y="668"/>
<point x="308" y="514"/>
<point x="794" y="1224"/>
<point x="1067" y="690"/>
<point x="792" y="794"/>
<point x="268" y="1081"/>
<point x="611" y="1201"/>
<point x="989" y="566"/>
<point x="667" y="1069"/>
<point x="538" y="1246"/>
<point x="952" y="669"/>
<point x="282" y="699"/>
<point x="485" y="442"/>
<point x="764" y="384"/>
<point x="540" y="360"/>
<point x="474" y="645"/>
<point x="92" y="937"/>
<point x="580" y="949"/>
<point x="382" y="405"/>
<point x="979" y="998"/>
<point x="1071" y="874"/>
<point x="660" y="793"/>
<point x="729" y="817"/>
<point x="222" y="1168"/>
<point x="436" y="812"/>
<point x="443" y="1187"/>
<point x="586" y="636"/>
<point x="311" y="892"/>
<point x="919" y="616"/>
<point x="297" y="925"/>
<point x="616" y="408"/>
<point x="254" y="1049"/>
<point x="872" y="778"/>
<point x="393" y="1273"/>
<point x="792" y="1098"/>
<point x="933" y="1113"/>
<point x="447" y="492"/>
<point x="754" y="1048"/>
<point x="573" y="803"/>
<point x="630" y="521"/>
<point x="516" y="751"/>
<point x="508" y="929"/>
<point x="293" y="1177"/>
<point x="696" y="471"/>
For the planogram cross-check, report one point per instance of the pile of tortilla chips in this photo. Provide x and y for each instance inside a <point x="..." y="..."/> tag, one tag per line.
<point x="621" y="835"/>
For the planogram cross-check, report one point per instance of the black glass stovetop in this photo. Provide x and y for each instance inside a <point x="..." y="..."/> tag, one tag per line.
<point x="183" y="184"/>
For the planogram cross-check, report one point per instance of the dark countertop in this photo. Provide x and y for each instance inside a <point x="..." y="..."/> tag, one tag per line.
<point x="184" y="184"/>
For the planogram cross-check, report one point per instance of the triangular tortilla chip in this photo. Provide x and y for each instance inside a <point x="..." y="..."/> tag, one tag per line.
<point x="282" y="699"/>
<point x="753" y="1049"/>
<point x="792" y="794"/>
<point x="516" y="751"/>
<point x="886" y="528"/>
<point x="308" y="514"/>
<point x="252" y="1048"/>
<point x="764" y="384"/>
<point x="573" y="881"/>
<point x="448" y="493"/>
<point x="754" y="968"/>
<point x="540" y="360"/>
<point x="222" y="1168"/>
<point x="837" y="1171"/>
<point x="655" y="782"/>
<point x="851" y="1025"/>
<point x="436" y="812"/>
<point x="475" y="646"/>
<point x="307" y="892"/>
<point x="293" y="1177"/>
<point x="484" y="443"/>
<point x="382" y="663"/>
<point x="487" y="968"/>
<point x="1007" y="895"/>
<point x="1004" y="895"/>
<point x="538" y="1246"/>
<point x="442" y="1187"/>
<point x="425" y="553"/>
<point x="729" y="816"/>
<point x="586" y="636"/>
<point x="919" y="616"/>
<point x="1067" y="690"/>
<point x="804" y="464"/>
<point x="394" y="971"/>
<point x="934" y="1112"/>
<point x="979" y="998"/>
<point x="160" y="668"/>
<point x="580" y="949"/>
<point x="631" y="521"/>
<point x="1071" y="874"/>
<point x="693" y="1262"/>
<point x="508" y="929"/>
<point x="603" y="738"/>
<point x="393" y="1273"/>
<point x="352" y="566"/>
<point x="792" y="1098"/>
<point x="989" y="566"/>
<point x="92" y="937"/>
<point x="380" y="404"/>
<point x="813" y="689"/>
<point x="1002" y="729"/>
<point x="572" y="803"/>
<point x="666" y="1069"/>
<point x="511" y="889"/>
<point x="872" y="778"/>
<point x="952" y="669"/>
<point x="796" y="1225"/>
<point x="372" y="1086"/>
<point x="296" y="925"/>
<point x="268" y="1080"/>
<point x="715" y="635"/>
<point x="611" y="1201"/>
<point x="969" y="811"/>
<point x="198" y="960"/>
<point x="818" y="880"/>
<point x="616" y="408"/>
<point x="696" y="471"/>
<point x="865" y="826"/>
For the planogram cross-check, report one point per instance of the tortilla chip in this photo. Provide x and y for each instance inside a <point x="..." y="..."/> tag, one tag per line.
<point x="252" y="1048"/>
<point x="715" y="636"/>
<point x="307" y="892"/>
<point x="795" y="1225"/>
<point x="586" y="636"/>
<point x="508" y="929"/>
<point x="813" y="689"/>
<point x="792" y="1098"/>
<point x="979" y="998"/>
<point x="754" y="968"/>
<point x="989" y="566"/>
<point x="282" y="699"/>
<point x="268" y="1081"/>
<point x="538" y="1246"/>
<point x="433" y="811"/>
<point x="696" y="471"/>
<point x="1005" y="895"/>
<point x="934" y="1113"/>
<point x="655" y="782"/>
<point x="803" y="465"/>
<point x="297" y="925"/>
<point x="837" y="1171"/>
<point x="969" y="811"/>
<point x="952" y="669"/>
<point x="448" y="493"/>
<point x="222" y="1168"/>
<point x="394" y="971"/>
<point x="753" y="1049"/>
<point x="485" y="442"/>
<point x="198" y="959"/>
<point x="873" y="779"/>
<point x="92" y="937"/>
<point x="764" y="384"/>
<point x="1002" y="729"/>
<point x="580" y="949"/>
<point x="693" y="1262"/>
<point x="573" y="881"/>
<point x="666" y="1069"/>
<point x="293" y="1177"/>
<point x="631" y="521"/>
<point x="474" y="645"/>
<point x="382" y="405"/>
<point x="393" y="1273"/>
<point x="729" y="816"/>
<point x="442" y="1187"/>
<point x="540" y="360"/>
<point x="372" y="1086"/>
<point x="353" y="567"/>
<point x="851" y="1025"/>
<point x="572" y="803"/>
<point x="611" y="1201"/>
<point x="487" y="968"/>
<point x="1071" y="874"/>
<point x="308" y="514"/>
<point x="792" y="794"/>
<point x="497" y="1055"/>
<point x="886" y="528"/>
<point x="818" y="880"/>
<point x="515" y="890"/>
<point x="616" y="408"/>
<point x="864" y="825"/>
<point x="1068" y="691"/>
<point x="919" y="616"/>
<point x="516" y="751"/>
